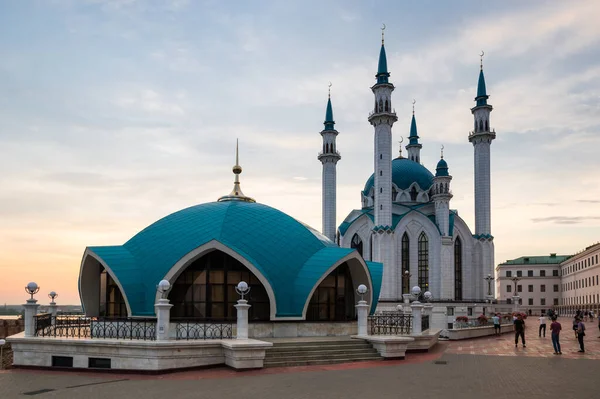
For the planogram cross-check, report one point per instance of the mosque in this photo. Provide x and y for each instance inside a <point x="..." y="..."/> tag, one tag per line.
<point x="405" y="221"/>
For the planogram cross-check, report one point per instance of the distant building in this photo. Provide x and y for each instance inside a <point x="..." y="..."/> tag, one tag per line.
<point x="579" y="281"/>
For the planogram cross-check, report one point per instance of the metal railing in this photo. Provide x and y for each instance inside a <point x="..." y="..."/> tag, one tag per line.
<point x="424" y="322"/>
<point x="391" y="323"/>
<point x="64" y="326"/>
<point x="192" y="329"/>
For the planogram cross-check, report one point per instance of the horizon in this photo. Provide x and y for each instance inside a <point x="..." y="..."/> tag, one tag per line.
<point x="115" y="114"/>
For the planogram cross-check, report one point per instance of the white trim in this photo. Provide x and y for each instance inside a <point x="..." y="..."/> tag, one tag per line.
<point x="213" y="245"/>
<point x="92" y="254"/>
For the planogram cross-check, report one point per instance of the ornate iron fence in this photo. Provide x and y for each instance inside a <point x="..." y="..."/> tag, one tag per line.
<point x="63" y="326"/>
<point x="391" y="323"/>
<point x="191" y="329"/>
<point x="424" y="322"/>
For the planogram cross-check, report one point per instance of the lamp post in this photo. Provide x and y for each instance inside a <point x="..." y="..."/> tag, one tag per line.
<point x="362" y="310"/>
<point x="515" y="280"/>
<point x="242" y="310"/>
<point x="163" y="311"/>
<point x="406" y="289"/>
<point x="489" y="280"/>
<point x="31" y="308"/>
<point x="417" y="311"/>
<point x="53" y="308"/>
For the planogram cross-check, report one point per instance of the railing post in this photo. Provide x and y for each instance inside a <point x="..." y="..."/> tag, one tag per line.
<point x="242" y="318"/>
<point x="362" y="310"/>
<point x="53" y="312"/>
<point x="31" y="308"/>
<point x="163" y="319"/>
<point x="417" y="311"/>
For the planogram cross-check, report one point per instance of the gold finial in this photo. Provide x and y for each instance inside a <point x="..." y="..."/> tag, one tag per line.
<point x="414" y="101"/>
<point x="329" y="94"/>
<point x="382" y="29"/>
<point x="236" y="194"/>
<point x="481" y="59"/>
<point x="400" y="142"/>
<point x="442" y="151"/>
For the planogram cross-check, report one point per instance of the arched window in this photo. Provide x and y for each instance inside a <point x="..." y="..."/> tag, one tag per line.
<point x="206" y="290"/>
<point x="394" y="193"/>
<point x="112" y="303"/>
<point x="327" y="147"/>
<point x="486" y="126"/>
<point x="357" y="244"/>
<point x="405" y="264"/>
<point x="413" y="193"/>
<point x="333" y="300"/>
<point x="387" y="106"/>
<point x="380" y="105"/>
<point x="475" y="126"/>
<point x="458" y="269"/>
<point x="481" y="126"/>
<point x="423" y="279"/>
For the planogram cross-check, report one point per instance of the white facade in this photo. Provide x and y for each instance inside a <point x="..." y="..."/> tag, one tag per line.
<point x="580" y="281"/>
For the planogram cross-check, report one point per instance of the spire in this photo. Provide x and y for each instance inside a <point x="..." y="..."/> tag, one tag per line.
<point x="400" y="148"/>
<point x="329" y="122"/>
<point x="413" y="137"/>
<point x="236" y="194"/>
<point x="481" y="91"/>
<point x="442" y="166"/>
<point x="382" y="70"/>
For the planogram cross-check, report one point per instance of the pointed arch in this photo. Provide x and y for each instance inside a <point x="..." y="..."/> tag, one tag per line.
<point x="423" y="262"/>
<point x="413" y="193"/>
<point x="480" y="125"/>
<point x="357" y="244"/>
<point x="380" y="105"/>
<point x="458" y="279"/>
<point x="387" y="106"/>
<point x="405" y="256"/>
<point x="487" y="129"/>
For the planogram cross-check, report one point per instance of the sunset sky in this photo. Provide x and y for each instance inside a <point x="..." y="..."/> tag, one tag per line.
<point x="115" y="113"/>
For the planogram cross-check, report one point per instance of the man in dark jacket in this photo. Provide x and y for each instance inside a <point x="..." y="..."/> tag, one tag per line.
<point x="520" y="330"/>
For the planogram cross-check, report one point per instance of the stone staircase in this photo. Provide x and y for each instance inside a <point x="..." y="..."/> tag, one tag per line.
<point x="308" y="352"/>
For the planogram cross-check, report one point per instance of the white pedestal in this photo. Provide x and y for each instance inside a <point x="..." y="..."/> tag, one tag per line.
<point x="31" y="308"/>
<point x="362" y="310"/>
<point x="417" y="312"/>
<point x="516" y="303"/>
<point x="428" y="310"/>
<point x="53" y="312"/>
<point x="242" y="319"/>
<point x="163" y="319"/>
<point x="406" y="298"/>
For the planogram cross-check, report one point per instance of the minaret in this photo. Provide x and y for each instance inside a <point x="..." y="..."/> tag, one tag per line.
<point x="329" y="158"/>
<point x="482" y="137"/>
<point x="442" y="195"/>
<point x="382" y="118"/>
<point x="236" y="194"/>
<point x="414" y="147"/>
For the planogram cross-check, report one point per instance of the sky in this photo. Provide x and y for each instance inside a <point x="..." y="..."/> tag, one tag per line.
<point x="116" y="113"/>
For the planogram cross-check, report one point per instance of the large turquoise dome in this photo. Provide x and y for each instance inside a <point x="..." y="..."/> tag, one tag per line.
<point x="291" y="256"/>
<point x="404" y="173"/>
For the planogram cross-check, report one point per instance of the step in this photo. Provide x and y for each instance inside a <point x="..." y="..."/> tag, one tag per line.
<point x="322" y="342"/>
<point x="369" y="355"/>
<point x="286" y="348"/>
<point x="292" y="363"/>
<point x="270" y="354"/>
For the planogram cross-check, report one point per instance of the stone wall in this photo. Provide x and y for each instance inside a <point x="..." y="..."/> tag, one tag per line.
<point x="11" y="327"/>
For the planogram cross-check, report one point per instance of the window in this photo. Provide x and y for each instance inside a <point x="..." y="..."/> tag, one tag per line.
<point x="530" y="288"/>
<point x="555" y="301"/>
<point x="508" y="273"/>
<point x="457" y="269"/>
<point x="381" y="173"/>
<point x="450" y="311"/>
<point x="508" y="301"/>
<point x="413" y="193"/>
<point x="542" y="288"/>
<point x="519" y="273"/>
<point x="405" y="263"/>
<point x="508" y="288"/>
<point x="469" y="311"/>
<point x="423" y="275"/>
<point x="542" y="273"/>
<point x="519" y="288"/>
<point x="333" y="299"/>
<point x="357" y="244"/>
<point x="112" y="302"/>
<point x="543" y="301"/>
<point x="98" y="363"/>
<point x="529" y="273"/>
<point x="530" y="301"/>
<point x="555" y="273"/>
<point x="555" y="287"/>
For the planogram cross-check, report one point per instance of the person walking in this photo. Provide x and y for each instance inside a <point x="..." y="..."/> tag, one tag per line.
<point x="496" y="320"/>
<point x="575" y="324"/>
<point x="580" y="335"/>
<point x="555" y="328"/>
<point x="542" y="326"/>
<point x="519" y="330"/>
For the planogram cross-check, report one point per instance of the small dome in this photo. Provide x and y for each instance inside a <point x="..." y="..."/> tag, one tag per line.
<point x="442" y="168"/>
<point x="404" y="173"/>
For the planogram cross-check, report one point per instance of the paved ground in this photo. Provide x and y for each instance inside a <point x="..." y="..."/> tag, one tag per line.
<point x="501" y="372"/>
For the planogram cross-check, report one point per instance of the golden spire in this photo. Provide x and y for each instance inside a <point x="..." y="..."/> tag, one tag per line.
<point x="382" y="29"/>
<point x="400" y="142"/>
<point x="236" y="194"/>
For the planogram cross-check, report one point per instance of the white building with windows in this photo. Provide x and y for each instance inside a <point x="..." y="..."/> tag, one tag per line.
<point x="580" y="281"/>
<point x="405" y="220"/>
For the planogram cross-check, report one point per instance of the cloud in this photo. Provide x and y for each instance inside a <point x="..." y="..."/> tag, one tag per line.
<point x="565" y="219"/>
<point x="149" y="101"/>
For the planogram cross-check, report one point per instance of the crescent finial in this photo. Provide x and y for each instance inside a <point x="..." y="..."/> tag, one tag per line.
<point x="382" y="29"/>
<point x="329" y="90"/>
<point x="481" y="59"/>
<point x="400" y="147"/>
<point x="414" y="101"/>
<point x="442" y="151"/>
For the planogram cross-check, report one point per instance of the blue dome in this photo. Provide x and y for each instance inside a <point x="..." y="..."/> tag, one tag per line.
<point x="404" y="173"/>
<point x="291" y="256"/>
<point x="442" y="168"/>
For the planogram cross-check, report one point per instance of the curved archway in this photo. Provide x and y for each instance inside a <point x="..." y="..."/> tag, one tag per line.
<point x="423" y="262"/>
<point x="357" y="244"/>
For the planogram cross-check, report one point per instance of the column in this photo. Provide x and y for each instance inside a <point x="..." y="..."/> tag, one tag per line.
<point x="362" y="310"/>
<point x="417" y="311"/>
<point x="53" y="312"/>
<point x="242" y="318"/>
<point x="31" y="308"/>
<point x="163" y="319"/>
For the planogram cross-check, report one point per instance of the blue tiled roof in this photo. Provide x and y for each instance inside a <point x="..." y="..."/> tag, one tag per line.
<point x="382" y="71"/>
<point x="289" y="254"/>
<point x="442" y="168"/>
<point x="329" y="116"/>
<point x="413" y="137"/>
<point x="481" y="91"/>
<point x="404" y="173"/>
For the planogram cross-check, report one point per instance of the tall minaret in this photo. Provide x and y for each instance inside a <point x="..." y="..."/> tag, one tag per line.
<point x="329" y="158"/>
<point x="382" y="118"/>
<point x="482" y="137"/>
<point x="414" y="147"/>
